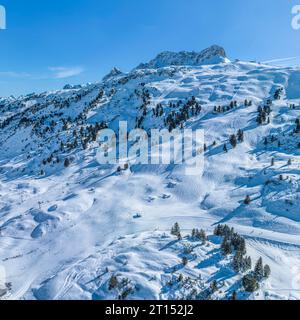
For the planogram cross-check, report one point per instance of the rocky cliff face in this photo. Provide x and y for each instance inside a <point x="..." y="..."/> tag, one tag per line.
<point x="212" y="55"/>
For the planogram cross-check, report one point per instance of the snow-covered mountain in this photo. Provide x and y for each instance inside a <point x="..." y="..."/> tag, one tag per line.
<point x="211" y="55"/>
<point x="71" y="227"/>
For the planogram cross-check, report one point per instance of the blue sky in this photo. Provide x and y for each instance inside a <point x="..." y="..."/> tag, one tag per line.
<point x="50" y="43"/>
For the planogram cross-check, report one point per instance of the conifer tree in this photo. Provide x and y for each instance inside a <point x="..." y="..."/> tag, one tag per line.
<point x="214" y="286"/>
<point x="259" y="119"/>
<point x="259" y="270"/>
<point x="202" y="236"/>
<point x="297" y="130"/>
<point x="247" y="201"/>
<point x="67" y="163"/>
<point x="194" y="232"/>
<point x="180" y="278"/>
<point x="248" y="264"/>
<point x="267" y="271"/>
<point x="237" y="262"/>
<point x="234" y="296"/>
<point x="218" y="230"/>
<point x="185" y="261"/>
<point x="250" y="283"/>
<point x="233" y="140"/>
<point x="175" y="231"/>
<point x="240" y="135"/>
<point x="226" y="247"/>
<point x="113" y="283"/>
<point x="272" y="162"/>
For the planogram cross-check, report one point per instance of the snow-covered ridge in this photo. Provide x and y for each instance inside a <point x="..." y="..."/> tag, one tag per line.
<point x="212" y="55"/>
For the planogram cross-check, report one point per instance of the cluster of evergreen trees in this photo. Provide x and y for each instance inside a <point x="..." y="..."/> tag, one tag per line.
<point x="235" y="139"/>
<point x="190" y="109"/>
<point x="175" y="231"/>
<point x="58" y="102"/>
<point x="143" y="94"/>
<point x="220" y="109"/>
<point x="251" y="280"/>
<point x="81" y="118"/>
<point x="88" y="134"/>
<point x="82" y="137"/>
<point x="51" y="159"/>
<point x="43" y="124"/>
<point x="96" y="100"/>
<point x="233" y="243"/>
<point x="264" y="114"/>
<point x="248" y="103"/>
<point x="146" y="99"/>
<point x="123" y="286"/>
<point x="272" y="138"/>
<point x="199" y="235"/>
<point x="158" y="111"/>
<point x="278" y="93"/>
<point x="63" y="103"/>
<point x="233" y="104"/>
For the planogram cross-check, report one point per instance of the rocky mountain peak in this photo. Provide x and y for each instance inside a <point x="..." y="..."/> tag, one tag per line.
<point x="212" y="55"/>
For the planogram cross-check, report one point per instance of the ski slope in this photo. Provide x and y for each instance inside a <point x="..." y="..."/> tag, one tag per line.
<point x="66" y="231"/>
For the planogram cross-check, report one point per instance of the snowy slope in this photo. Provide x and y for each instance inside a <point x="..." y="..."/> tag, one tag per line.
<point x="65" y="231"/>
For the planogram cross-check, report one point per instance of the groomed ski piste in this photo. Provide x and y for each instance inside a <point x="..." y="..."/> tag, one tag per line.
<point x="68" y="228"/>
